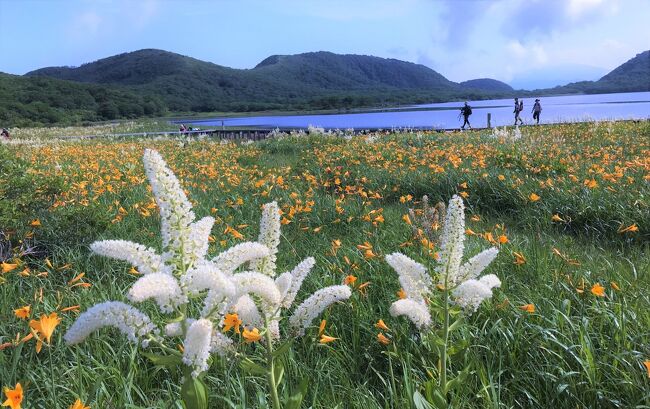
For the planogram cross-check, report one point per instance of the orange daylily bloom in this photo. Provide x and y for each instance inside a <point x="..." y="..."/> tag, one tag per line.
<point x="7" y="267"/>
<point x="615" y="286"/>
<point x="23" y="312"/>
<point x="78" y="405"/>
<point x="533" y="197"/>
<point x="407" y="219"/>
<point x="383" y="339"/>
<point x="629" y="229"/>
<point x="325" y="339"/>
<point x="647" y="366"/>
<point x="349" y="280"/>
<point x="252" y="335"/>
<point x="503" y="239"/>
<point x="321" y="327"/>
<point x="557" y="218"/>
<point x="598" y="290"/>
<point x="381" y="325"/>
<point x="369" y="254"/>
<point x="45" y="325"/>
<point x="401" y="294"/>
<point x="231" y="321"/>
<point x="35" y="223"/>
<point x="529" y="308"/>
<point x="14" y="396"/>
<point x="519" y="258"/>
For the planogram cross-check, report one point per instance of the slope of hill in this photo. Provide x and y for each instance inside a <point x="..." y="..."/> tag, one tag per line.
<point x="311" y="80"/>
<point x="26" y="101"/>
<point x="631" y="76"/>
<point x="634" y="75"/>
<point x="487" y="84"/>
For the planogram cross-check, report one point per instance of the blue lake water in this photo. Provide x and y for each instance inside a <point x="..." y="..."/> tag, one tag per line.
<point x="571" y="108"/>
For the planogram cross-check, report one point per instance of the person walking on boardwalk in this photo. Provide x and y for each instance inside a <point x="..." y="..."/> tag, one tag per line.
<point x="519" y="106"/>
<point x="537" y="109"/>
<point x="466" y="111"/>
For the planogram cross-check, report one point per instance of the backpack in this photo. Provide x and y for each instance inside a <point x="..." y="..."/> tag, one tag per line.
<point x="521" y="106"/>
<point x="467" y="110"/>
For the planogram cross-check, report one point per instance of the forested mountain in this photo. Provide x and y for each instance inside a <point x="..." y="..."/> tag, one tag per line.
<point x="152" y="82"/>
<point x="303" y="81"/>
<point x="632" y="76"/>
<point x="39" y="100"/>
<point x="487" y="84"/>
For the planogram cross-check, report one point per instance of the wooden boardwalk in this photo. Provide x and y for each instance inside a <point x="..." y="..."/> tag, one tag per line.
<point x="253" y="134"/>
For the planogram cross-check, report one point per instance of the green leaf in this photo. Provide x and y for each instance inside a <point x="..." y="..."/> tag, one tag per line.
<point x="252" y="367"/>
<point x="434" y="395"/>
<point x="458" y="380"/>
<point x="420" y="401"/>
<point x="194" y="393"/>
<point x="170" y="361"/>
<point x="283" y="349"/>
<point x="456" y="324"/>
<point x="294" y="401"/>
<point x="278" y="372"/>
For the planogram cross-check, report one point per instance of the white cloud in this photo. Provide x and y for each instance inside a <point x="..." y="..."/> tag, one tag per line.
<point x="577" y="8"/>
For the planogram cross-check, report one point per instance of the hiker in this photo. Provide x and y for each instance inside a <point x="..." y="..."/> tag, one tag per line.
<point x="519" y="106"/>
<point x="537" y="109"/>
<point x="5" y="133"/>
<point x="466" y="111"/>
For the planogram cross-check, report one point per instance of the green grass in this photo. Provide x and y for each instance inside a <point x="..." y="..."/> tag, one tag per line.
<point x="575" y="351"/>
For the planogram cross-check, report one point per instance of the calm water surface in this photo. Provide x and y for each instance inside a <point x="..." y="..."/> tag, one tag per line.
<point x="572" y="108"/>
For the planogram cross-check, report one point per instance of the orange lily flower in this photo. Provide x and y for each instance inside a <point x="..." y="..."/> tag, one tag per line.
<point x="252" y="335"/>
<point x="529" y="308"/>
<point x="14" y="396"/>
<point x="23" y="312"/>
<point x="325" y="339"/>
<point x="598" y="290"/>
<point x="381" y="325"/>
<point x="383" y="339"/>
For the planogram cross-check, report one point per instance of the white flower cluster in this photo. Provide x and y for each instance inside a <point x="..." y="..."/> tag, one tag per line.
<point x="130" y="321"/>
<point x="506" y="135"/>
<point x="144" y="259"/>
<point x="316" y="304"/>
<point x="182" y="273"/>
<point x="471" y="293"/>
<point x="176" y="213"/>
<point x="278" y="294"/>
<point x="197" y="346"/>
<point x="270" y="237"/>
<point x="460" y="279"/>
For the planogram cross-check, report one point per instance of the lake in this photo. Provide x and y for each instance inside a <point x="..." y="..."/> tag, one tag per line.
<point x="570" y="108"/>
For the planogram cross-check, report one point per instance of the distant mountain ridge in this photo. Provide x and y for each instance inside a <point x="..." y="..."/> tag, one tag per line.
<point x="487" y="84"/>
<point x="160" y="81"/>
<point x="318" y="80"/>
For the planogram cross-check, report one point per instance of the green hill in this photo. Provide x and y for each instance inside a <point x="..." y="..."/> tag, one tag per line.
<point x="487" y="84"/>
<point x="632" y="76"/>
<point x="28" y="101"/>
<point x="303" y="81"/>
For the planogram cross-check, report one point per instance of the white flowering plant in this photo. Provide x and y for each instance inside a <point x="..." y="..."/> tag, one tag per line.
<point x="182" y="275"/>
<point x="433" y="297"/>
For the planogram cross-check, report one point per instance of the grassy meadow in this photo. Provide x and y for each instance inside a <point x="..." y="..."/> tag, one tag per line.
<point x="567" y="205"/>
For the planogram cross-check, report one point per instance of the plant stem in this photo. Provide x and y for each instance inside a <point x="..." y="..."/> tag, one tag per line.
<point x="270" y="374"/>
<point x="445" y="335"/>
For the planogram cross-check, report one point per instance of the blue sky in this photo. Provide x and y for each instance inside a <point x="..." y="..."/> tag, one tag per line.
<point x="526" y="43"/>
